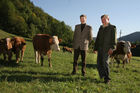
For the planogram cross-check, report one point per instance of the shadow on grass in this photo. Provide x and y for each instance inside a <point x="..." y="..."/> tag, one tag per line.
<point x="8" y="64"/>
<point x="30" y="57"/>
<point x="135" y="59"/>
<point x="17" y="76"/>
<point x="94" y="66"/>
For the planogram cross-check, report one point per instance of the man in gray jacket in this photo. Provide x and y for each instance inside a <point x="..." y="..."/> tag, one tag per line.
<point x="105" y="43"/>
<point x="82" y="38"/>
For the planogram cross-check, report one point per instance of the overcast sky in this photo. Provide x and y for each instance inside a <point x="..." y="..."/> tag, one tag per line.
<point x="125" y="14"/>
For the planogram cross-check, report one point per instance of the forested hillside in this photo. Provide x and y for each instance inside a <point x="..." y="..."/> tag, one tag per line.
<point x="22" y="18"/>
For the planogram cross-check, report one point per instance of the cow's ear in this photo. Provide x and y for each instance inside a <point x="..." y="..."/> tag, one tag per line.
<point x="60" y="40"/>
<point x="50" y="40"/>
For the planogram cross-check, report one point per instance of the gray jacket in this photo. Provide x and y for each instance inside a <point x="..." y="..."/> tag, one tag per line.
<point x="82" y="39"/>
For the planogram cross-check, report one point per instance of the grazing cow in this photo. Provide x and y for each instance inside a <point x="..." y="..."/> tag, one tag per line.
<point x="6" y="48"/>
<point x="19" y="46"/>
<point x="122" y="52"/>
<point x="43" y="45"/>
<point x="67" y="49"/>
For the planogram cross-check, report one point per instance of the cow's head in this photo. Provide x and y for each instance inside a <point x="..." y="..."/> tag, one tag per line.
<point x="6" y="43"/>
<point x="55" y="43"/>
<point x="127" y="47"/>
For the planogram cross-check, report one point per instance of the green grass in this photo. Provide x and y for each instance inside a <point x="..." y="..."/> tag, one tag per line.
<point x="28" y="77"/>
<point x="4" y="34"/>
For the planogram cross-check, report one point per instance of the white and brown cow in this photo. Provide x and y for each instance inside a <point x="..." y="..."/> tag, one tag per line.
<point x="122" y="52"/>
<point x="18" y="47"/>
<point x="6" y="48"/>
<point x="43" y="45"/>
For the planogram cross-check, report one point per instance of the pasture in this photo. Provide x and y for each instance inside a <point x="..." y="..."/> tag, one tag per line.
<point x="28" y="77"/>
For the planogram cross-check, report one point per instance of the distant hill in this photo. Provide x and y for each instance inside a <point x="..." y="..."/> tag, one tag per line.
<point x="133" y="37"/>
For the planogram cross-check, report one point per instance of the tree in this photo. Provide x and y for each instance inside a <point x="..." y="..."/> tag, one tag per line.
<point x="22" y="18"/>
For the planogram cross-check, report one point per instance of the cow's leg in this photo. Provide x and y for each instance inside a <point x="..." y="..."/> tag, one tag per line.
<point x="130" y="57"/>
<point x="127" y="60"/>
<point x="111" y="61"/>
<point x="36" y="56"/>
<point x="22" y="54"/>
<point x="4" y="55"/>
<point x="114" y="62"/>
<point x="49" y="58"/>
<point x="118" y="62"/>
<point x="39" y="54"/>
<point x="17" y="56"/>
<point x="42" y="59"/>
<point x="124" y="61"/>
<point x="10" y="55"/>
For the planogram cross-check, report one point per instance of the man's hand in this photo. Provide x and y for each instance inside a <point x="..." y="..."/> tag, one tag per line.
<point x="110" y="51"/>
<point x="95" y="52"/>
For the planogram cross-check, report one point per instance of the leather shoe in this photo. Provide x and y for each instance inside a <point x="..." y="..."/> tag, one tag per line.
<point x="83" y="74"/>
<point x="106" y="81"/>
<point x="73" y="73"/>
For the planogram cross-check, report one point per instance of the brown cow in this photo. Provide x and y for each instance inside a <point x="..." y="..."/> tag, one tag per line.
<point x="122" y="52"/>
<point x="6" y="48"/>
<point x="43" y="45"/>
<point x="67" y="49"/>
<point x="19" y="46"/>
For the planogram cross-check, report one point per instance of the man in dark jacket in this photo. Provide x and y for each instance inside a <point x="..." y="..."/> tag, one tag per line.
<point x="105" y="43"/>
<point x="82" y="38"/>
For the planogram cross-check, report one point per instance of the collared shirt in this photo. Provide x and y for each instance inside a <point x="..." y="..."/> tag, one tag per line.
<point x="106" y="25"/>
<point x="82" y="27"/>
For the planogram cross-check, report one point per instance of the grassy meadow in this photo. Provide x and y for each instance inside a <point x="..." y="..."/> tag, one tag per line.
<point x="28" y="77"/>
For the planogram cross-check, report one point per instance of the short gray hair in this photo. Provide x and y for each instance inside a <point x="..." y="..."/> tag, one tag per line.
<point x="83" y="16"/>
<point x="105" y="15"/>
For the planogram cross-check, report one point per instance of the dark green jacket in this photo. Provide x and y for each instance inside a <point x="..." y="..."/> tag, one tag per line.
<point x="106" y="38"/>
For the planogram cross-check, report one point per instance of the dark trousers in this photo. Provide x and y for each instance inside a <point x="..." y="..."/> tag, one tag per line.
<point x="102" y="64"/>
<point x="77" y="52"/>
